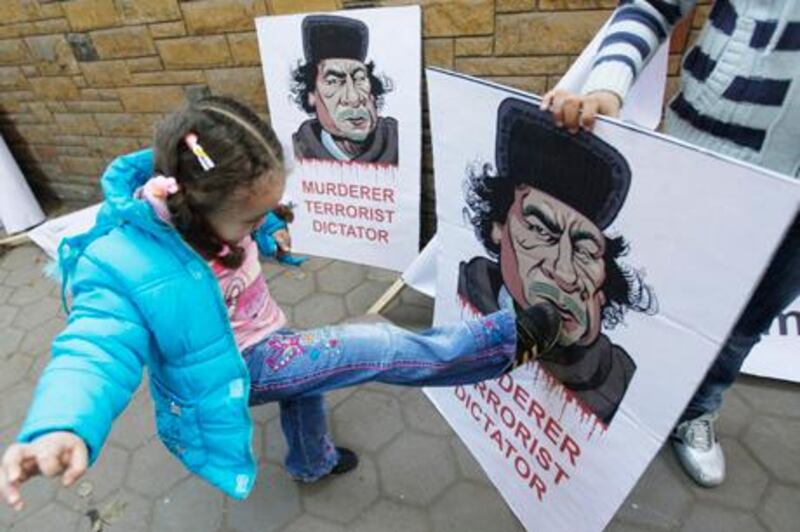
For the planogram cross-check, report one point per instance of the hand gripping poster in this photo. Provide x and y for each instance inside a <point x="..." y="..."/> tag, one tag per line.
<point x="344" y="99"/>
<point x="646" y="248"/>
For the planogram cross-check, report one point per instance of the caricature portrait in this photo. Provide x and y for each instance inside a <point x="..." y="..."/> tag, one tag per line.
<point x="340" y="91"/>
<point x="541" y="214"/>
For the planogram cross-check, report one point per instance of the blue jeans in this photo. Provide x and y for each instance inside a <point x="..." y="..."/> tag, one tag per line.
<point x="779" y="286"/>
<point x="296" y="368"/>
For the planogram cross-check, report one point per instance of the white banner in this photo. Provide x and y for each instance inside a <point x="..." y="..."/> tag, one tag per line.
<point x="614" y="230"/>
<point x="778" y="354"/>
<point x="421" y="273"/>
<point x="344" y="98"/>
<point x="19" y="209"/>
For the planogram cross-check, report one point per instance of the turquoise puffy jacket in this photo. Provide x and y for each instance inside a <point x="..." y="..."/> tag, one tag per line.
<point x="142" y="297"/>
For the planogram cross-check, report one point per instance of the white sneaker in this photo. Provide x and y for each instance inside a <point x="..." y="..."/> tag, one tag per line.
<point x="698" y="450"/>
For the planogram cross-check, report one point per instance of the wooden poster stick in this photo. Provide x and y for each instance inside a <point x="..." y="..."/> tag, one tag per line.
<point x="14" y="240"/>
<point x="387" y="297"/>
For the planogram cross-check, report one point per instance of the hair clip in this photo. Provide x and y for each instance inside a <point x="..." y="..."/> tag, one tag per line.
<point x="202" y="157"/>
<point x="285" y="211"/>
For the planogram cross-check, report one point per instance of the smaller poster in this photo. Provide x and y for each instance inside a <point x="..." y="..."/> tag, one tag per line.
<point x="344" y="97"/>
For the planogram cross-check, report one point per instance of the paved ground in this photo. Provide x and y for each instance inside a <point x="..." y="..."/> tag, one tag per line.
<point x="415" y="474"/>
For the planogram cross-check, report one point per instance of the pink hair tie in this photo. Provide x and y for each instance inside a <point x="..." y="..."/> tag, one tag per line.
<point x="156" y="191"/>
<point x="160" y="187"/>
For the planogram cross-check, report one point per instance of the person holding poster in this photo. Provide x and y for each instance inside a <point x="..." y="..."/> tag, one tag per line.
<point x="338" y="86"/>
<point x="169" y="279"/>
<point x="739" y="96"/>
<point x="542" y="216"/>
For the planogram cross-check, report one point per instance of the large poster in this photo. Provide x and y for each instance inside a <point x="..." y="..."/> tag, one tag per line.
<point x="637" y="241"/>
<point x="344" y="97"/>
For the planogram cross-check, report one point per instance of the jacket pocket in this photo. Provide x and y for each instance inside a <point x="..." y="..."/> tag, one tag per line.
<point x="178" y="428"/>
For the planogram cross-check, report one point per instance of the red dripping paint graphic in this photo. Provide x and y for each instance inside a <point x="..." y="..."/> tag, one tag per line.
<point x="321" y="163"/>
<point x="469" y="307"/>
<point x="554" y="388"/>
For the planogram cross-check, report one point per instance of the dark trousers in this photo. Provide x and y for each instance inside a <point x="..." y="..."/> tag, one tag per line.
<point x="779" y="286"/>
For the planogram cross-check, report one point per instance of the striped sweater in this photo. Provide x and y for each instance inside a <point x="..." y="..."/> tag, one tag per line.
<point x="740" y="84"/>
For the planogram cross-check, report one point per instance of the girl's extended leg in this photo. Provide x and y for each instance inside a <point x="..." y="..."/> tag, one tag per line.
<point x="289" y="365"/>
<point x="311" y="452"/>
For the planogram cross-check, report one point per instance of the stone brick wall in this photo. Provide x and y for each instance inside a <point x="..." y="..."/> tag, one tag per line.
<point x="82" y="81"/>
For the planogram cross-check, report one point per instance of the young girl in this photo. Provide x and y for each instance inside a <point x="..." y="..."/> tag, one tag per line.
<point x="169" y="279"/>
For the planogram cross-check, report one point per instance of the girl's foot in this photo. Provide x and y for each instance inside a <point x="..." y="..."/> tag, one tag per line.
<point x="348" y="460"/>
<point x="538" y="327"/>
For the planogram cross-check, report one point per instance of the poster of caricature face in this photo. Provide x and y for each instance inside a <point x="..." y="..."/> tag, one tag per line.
<point x="344" y="99"/>
<point x="641" y="246"/>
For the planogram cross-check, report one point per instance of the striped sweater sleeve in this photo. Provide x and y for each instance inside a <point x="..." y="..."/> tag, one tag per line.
<point x="636" y="30"/>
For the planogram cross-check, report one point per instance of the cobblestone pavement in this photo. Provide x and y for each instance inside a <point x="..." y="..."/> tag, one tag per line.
<point x="415" y="475"/>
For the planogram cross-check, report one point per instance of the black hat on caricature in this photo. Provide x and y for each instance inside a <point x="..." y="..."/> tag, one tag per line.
<point x="580" y="169"/>
<point x="329" y="36"/>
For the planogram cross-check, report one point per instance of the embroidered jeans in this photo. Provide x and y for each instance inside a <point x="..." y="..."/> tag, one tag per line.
<point x="296" y="368"/>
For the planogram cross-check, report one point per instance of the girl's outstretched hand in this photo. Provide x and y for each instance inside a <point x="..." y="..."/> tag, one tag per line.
<point x="55" y="453"/>
<point x="575" y="111"/>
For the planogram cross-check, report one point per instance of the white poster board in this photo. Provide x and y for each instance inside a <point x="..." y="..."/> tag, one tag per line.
<point x="556" y="462"/>
<point x="49" y="235"/>
<point x="365" y="209"/>
<point x="19" y="209"/>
